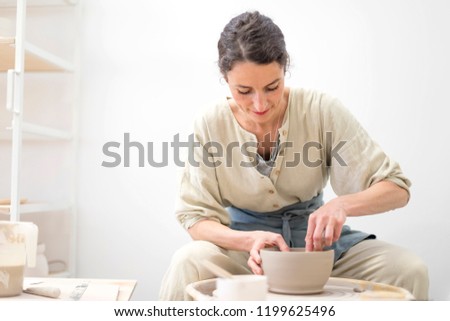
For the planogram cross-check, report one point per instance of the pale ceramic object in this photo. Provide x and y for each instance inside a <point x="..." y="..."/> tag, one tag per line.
<point x="297" y="271"/>
<point x="41" y="269"/>
<point x="242" y="288"/>
<point x="18" y="242"/>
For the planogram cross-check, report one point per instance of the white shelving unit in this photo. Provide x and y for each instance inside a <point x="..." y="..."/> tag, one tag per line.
<point x="17" y="58"/>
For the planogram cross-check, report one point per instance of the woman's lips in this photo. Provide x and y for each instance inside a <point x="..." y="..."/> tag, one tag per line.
<point x="260" y="113"/>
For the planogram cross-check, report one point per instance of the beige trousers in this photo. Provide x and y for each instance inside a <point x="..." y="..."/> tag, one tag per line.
<point x="370" y="260"/>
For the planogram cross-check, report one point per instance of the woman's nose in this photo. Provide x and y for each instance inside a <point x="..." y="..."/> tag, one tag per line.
<point x="259" y="102"/>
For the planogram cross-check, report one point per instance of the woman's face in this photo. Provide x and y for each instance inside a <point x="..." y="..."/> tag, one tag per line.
<point x="258" y="90"/>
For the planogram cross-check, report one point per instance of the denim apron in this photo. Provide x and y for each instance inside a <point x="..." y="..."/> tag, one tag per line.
<point x="292" y="222"/>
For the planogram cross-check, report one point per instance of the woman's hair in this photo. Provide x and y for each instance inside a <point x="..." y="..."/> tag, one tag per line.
<point x="251" y="37"/>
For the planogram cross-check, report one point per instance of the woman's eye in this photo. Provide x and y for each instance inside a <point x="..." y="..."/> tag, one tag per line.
<point x="244" y="92"/>
<point x="272" y="88"/>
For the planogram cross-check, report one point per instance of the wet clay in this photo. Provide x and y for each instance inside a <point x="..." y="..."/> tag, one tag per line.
<point x="11" y="280"/>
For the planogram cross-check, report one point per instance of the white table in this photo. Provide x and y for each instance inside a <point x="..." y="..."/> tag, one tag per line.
<point x="92" y="289"/>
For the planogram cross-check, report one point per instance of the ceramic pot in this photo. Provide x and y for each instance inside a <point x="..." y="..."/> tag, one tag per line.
<point x="297" y="271"/>
<point x="18" y="242"/>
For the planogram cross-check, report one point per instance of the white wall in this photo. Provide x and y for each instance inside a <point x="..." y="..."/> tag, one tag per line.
<point x="148" y="67"/>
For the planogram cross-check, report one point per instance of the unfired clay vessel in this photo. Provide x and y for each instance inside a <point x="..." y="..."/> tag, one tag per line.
<point x="296" y="271"/>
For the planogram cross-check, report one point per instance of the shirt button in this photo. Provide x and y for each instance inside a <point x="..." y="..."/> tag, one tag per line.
<point x="284" y="132"/>
<point x="271" y="191"/>
<point x="276" y="206"/>
<point x="277" y="172"/>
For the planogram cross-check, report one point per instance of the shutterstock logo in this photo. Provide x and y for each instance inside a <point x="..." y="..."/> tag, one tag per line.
<point x="214" y="154"/>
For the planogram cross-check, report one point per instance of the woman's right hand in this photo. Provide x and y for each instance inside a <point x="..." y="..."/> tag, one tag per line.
<point x="261" y="240"/>
<point x="248" y="241"/>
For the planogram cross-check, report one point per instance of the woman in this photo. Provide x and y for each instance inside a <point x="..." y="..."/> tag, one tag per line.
<point x="264" y="159"/>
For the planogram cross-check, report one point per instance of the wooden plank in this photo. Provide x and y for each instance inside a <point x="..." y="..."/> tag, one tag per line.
<point x="33" y="62"/>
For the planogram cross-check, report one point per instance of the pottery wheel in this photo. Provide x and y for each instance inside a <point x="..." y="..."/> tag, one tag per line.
<point x="332" y="291"/>
<point x="336" y="289"/>
<point x="348" y="290"/>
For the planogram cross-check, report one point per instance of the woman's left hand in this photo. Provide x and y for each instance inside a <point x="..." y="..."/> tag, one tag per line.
<point x="325" y="225"/>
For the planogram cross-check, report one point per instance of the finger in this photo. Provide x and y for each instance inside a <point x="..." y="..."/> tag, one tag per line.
<point x="254" y="254"/>
<point x="255" y="267"/>
<point x="309" y="244"/>
<point x="337" y="232"/>
<point x="329" y="234"/>
<point x="318" y="246"/>
<point x="318" y="236"/>
<point x="281" y="243"/>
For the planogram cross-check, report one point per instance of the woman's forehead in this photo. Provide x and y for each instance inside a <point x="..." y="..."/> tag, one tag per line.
<point x="249" y="74"/>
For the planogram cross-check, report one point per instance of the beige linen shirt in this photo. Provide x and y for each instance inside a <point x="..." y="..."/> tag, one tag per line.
<point x="319" y="141"/>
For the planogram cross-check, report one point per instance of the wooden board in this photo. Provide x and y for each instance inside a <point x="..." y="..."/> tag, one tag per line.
<point x="33" y="62"/>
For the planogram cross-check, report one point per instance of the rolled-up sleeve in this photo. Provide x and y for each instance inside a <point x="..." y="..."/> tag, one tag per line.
<point x="355" y="161"/>
<point x="199" y="195"/>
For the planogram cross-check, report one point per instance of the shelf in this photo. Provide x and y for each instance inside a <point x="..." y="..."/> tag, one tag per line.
<point x="63" y="274"/>
<point x="35" y="208"/>
<point x="38" y="3"/>
<point x="36" y="59"/>
<point x="37" y="132"/>
<point x="56" y="219"/>
<point x="45" y="132"/>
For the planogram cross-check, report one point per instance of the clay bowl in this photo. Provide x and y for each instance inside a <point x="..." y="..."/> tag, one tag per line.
<point x="296" y="271"/>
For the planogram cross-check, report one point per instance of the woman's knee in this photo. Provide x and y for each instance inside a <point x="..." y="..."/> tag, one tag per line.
<point x="185" y="268"/>
<point x="194" y="252"/>
<point x="378" y="261"/>
<point x="408" y="271"/>
<point x="414" y="276"/>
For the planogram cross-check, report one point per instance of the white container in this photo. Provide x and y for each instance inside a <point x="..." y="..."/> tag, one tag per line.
<point x="242" y="288"/>
<point x="18" y="242"/>
<point x="41" y="269"/>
